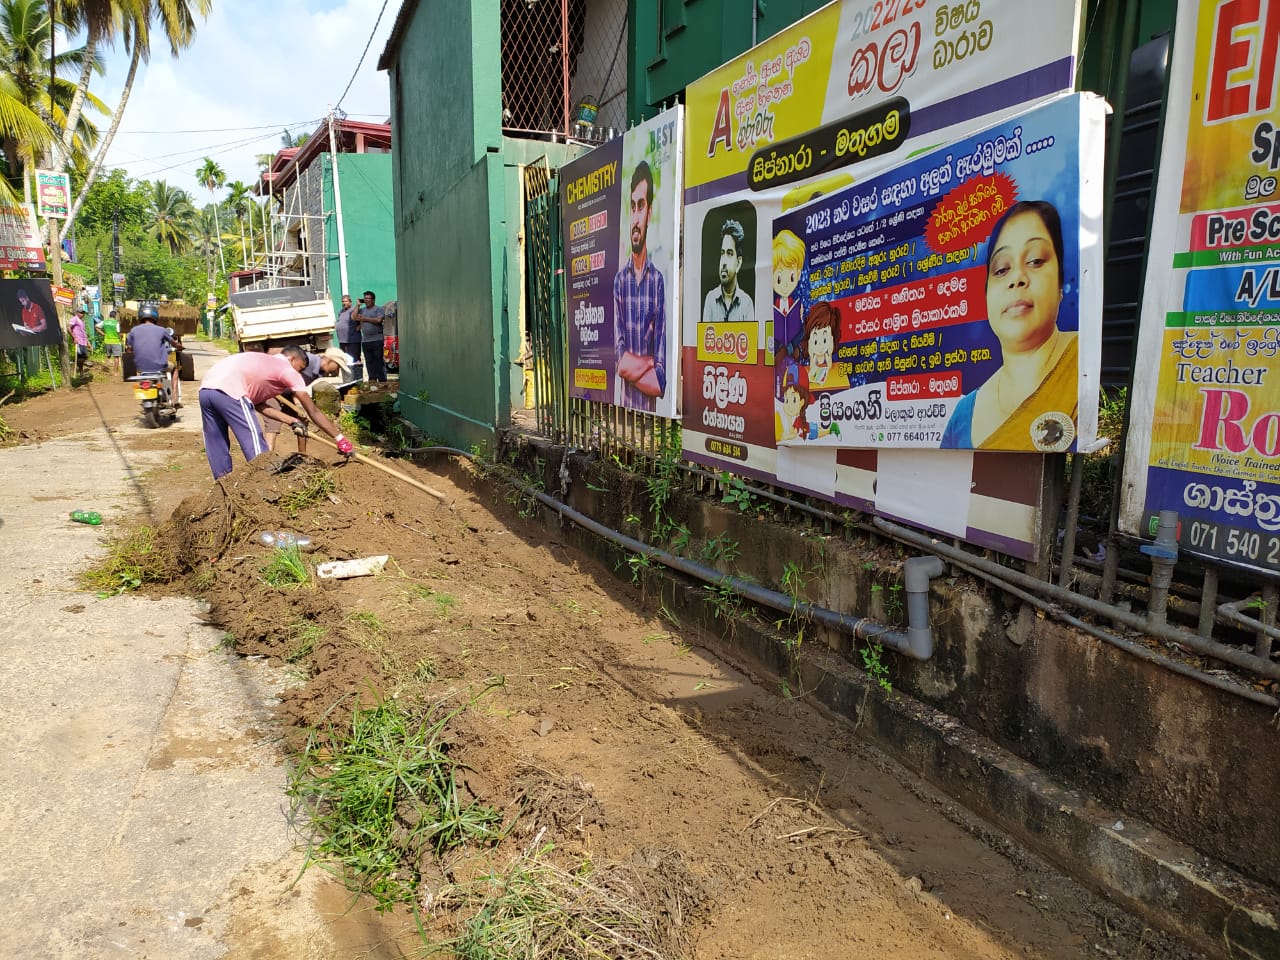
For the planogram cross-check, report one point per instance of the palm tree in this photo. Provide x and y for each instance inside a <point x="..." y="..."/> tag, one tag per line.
<point x="238" y="200"/>
<point x="204" y="235"/>
<point x="212" y="177"/>
<point x="133" y="20"/>
<point x="174" y="217"/>
<point x="26" y="42"/>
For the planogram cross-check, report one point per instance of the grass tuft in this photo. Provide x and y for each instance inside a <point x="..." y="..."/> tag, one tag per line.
<point x="537" y="909"/>
<point x="303" y="637"/>
<point x="380" y="797"/>
<point x="317" y="486"/>
<point x="131" y="561"/>
<point x="286" y="568"/>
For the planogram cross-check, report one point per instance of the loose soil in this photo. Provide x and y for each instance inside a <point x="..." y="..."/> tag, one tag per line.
<point x="755" y="824"/>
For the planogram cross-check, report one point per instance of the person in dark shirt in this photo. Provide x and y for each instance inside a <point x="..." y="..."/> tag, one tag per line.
<point x="371" y="317"/>
<point x="149" y="342"/>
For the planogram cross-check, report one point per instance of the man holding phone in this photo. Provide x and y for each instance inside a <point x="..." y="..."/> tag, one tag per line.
<point x="371" y="318"/>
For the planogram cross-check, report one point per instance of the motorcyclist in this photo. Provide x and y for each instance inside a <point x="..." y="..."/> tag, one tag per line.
<point x="149" y="343"/>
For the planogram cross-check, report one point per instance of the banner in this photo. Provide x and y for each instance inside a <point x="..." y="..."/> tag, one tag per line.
<point x="20" y="244"/>
<point x="821" y="107"/>
<point x="1204" y="435"/>
<point x="620" y="210"/>
<point x="53" y="193"/>
<point x="27" y="315"/>
<point x="954" y="301"/>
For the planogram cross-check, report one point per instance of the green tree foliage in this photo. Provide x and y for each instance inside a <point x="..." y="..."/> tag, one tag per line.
<point x="157" y="237"/>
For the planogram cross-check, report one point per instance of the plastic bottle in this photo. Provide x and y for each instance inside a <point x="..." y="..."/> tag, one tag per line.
<point x="284" y="539"/>
<point x="91" y="517"/>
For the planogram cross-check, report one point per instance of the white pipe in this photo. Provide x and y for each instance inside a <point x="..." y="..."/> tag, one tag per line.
<point x="337" y="203"/>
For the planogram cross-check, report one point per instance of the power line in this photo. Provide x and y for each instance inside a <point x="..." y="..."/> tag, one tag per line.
<point x="212" y="149"/>
<point x="265" y="126"/>
<point x="364" y="54"/>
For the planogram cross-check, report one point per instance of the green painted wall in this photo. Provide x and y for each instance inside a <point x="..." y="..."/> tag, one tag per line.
<point x="367" y="225"/>
<point x="450" y="220"/>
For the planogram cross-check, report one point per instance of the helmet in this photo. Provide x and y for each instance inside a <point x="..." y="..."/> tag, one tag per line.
<point x="148" y="313"/>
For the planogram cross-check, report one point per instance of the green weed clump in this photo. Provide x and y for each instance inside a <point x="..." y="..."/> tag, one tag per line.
<point x="133" y="559"/>
<point x="317" y="486"/>
<point x="537" y="909"/>
<point x="379" y="797"/>
<point x="286" y="568"/>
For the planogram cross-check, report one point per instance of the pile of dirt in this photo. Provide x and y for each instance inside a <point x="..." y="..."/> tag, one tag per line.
<point x="742" y="821"/>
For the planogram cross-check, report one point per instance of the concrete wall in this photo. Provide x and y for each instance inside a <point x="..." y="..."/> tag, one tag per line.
<point x="1199" y="764"/>
<point x="368" y="226"/>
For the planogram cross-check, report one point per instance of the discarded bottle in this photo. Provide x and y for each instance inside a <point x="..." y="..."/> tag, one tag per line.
<point x="91" y="517"/>
<point x="284" y="539"/>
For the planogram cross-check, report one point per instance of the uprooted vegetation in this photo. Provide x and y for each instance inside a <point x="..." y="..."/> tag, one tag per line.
<point x="492" y="743"/>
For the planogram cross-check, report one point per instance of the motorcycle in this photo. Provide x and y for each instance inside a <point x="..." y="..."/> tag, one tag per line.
<point x="152" y="390"/>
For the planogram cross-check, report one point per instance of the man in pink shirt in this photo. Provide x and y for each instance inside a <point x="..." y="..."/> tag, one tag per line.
<point x="242" y="383"/>
<point x="81" y="336"/>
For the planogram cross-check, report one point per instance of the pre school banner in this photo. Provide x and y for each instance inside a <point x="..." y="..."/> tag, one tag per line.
<point x="620" y="208"/>
<point x="824" y="106"/>
<point x="1204" y="435"/>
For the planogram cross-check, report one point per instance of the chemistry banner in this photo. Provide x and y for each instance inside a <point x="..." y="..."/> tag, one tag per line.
<point x="953" y="301"/>
<point x="620" y="208"/>
<point x="1204" y="437"/>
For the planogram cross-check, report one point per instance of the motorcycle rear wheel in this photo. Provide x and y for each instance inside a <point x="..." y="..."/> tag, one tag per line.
<point x="152" y="415"/>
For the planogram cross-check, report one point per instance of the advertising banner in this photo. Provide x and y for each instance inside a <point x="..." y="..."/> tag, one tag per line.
<point x="53" y="193"/>
<point x="824" y="106"/>
<point x="27" y="315"/>
<point x="955" y="300"/>
<point x="20" y="245"/>
<point x="620" y="208"/>
<point x="1204" y="435"/>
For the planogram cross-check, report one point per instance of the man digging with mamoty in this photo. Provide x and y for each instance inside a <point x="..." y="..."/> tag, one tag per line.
<point x="240" y="384"/>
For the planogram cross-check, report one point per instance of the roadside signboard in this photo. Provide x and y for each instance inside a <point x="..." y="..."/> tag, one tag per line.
<point x="825" y="106"/>
<point x="53" y="193"/>
<point x="20" y="245"/>
<point x="28" y="317"/>
<point x="1204" y="434"/>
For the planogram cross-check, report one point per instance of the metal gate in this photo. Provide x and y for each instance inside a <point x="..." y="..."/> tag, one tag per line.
<point x="545" y="322"/>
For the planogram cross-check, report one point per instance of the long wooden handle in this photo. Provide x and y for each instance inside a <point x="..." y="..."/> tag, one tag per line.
<point x="374" y="463"/>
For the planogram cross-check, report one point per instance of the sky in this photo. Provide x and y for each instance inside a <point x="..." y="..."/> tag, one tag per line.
<point x="255" y="67"/>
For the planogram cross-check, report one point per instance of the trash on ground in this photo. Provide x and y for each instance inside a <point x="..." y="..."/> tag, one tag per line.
<point x="345" y="569"/>
<point x="91" y="517"/>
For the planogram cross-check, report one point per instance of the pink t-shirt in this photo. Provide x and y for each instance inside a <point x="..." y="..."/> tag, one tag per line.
<point x="258" y="376"/>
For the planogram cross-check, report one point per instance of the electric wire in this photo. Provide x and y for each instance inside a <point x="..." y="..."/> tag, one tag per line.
<point x="368" y="43"/>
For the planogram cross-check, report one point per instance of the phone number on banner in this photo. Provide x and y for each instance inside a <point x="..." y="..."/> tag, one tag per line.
<point x="1224" y="542"/>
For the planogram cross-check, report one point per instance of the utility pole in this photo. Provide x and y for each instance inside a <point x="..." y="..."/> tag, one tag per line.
<point x="337" y="203"/>
<point x="55" y="227"/>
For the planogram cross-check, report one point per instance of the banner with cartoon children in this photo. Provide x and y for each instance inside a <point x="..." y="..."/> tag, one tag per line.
<point x="620" y="207"/>
<point x="953" y="302"/>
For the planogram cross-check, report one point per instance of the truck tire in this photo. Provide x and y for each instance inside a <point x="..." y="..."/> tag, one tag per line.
<point x="186" y="367"/>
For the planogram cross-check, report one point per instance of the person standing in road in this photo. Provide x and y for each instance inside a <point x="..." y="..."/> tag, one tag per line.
<point x="237" y="385"/>
<point x="371" y="318"/>
<point x="348" y="330"/>
<point x="81" y="337"/>
<point x="109" y="328"/>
